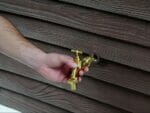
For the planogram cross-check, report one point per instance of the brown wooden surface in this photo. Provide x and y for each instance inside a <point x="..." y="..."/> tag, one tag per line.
<point x="109" y="25"/>
<point x="124" y="53"/>
<point x="25" y="104"/>
<point x="103" y="92"/>
<point x="55" y="96"/>
<point x="100" y="91"/>
<point x="119" y="83"/>
<point x="134" y="8"/>
<point x="122" y="75"/>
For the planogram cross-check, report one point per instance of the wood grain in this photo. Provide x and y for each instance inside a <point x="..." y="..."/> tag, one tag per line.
<point x="105" y="71"/>
<point x="109" y="25"/>
<point x="102" y="92"/>
<point x="97" y="88"/>
<point x="115" y="38"/>
<point x="52" y="95"/>
<point x="26" y="104"/>
<point x="113" y="50"/>
<point x="134" y="8"/>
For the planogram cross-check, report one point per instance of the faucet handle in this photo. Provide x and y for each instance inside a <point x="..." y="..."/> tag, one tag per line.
<point x="76" y="51"/>
<point x="88" y="60"/>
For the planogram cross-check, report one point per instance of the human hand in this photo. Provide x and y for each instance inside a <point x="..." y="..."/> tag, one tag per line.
<point x="56" y="67"/>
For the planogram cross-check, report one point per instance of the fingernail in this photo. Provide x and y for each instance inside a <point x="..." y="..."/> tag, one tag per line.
<point x="81" y="73"/>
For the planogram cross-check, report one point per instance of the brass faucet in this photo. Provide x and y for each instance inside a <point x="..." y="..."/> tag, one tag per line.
<point x="81" y="63"/>
<point x="87" y="61"/>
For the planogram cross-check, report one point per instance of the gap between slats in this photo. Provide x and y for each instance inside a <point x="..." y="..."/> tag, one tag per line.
<point x="26" y="104"/>
<point x="52" y="95"/>
<point x="106" y="71"/>
<point x="112" y="26"/>
<point x="137" y="9"/>
<point x="103" y="93"/>
<point x="124" y="53"/>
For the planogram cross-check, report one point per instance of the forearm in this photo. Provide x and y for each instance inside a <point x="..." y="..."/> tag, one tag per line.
<point x="14" y="45"/>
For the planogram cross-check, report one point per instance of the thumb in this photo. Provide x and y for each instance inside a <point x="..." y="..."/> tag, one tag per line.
<point x="68" y="61"/>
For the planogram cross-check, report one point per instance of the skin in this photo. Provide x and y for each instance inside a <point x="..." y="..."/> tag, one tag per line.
<point x="53" y="66"/>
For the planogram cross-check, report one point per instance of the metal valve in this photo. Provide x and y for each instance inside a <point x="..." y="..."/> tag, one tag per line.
<point x="73" y="80"/>
<point x="81" y="63"/>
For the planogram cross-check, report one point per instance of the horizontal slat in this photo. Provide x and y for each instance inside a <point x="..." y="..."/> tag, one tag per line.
<point x="53" y="95"/>
<point x="124" y="53"/>
<point x="107" y="71"/>
<point x="134" y="8"/>
<point x="112" y="26"/>
<point x="25" y="104"/>
<point x="99" y="91"/>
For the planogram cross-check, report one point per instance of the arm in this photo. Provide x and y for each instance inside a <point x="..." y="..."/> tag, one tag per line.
<point x="53" y="66"/>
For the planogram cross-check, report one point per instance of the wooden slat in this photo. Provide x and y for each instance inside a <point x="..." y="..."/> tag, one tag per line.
<point x="133" y="8"/>
<point x="53" y="95"/>
<point x="112" y="26"/>
<point x="25" y="104"/>
<point x="107" y="71"/>
<point x="124" y="53"/>
<point x="102" y="92"/>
